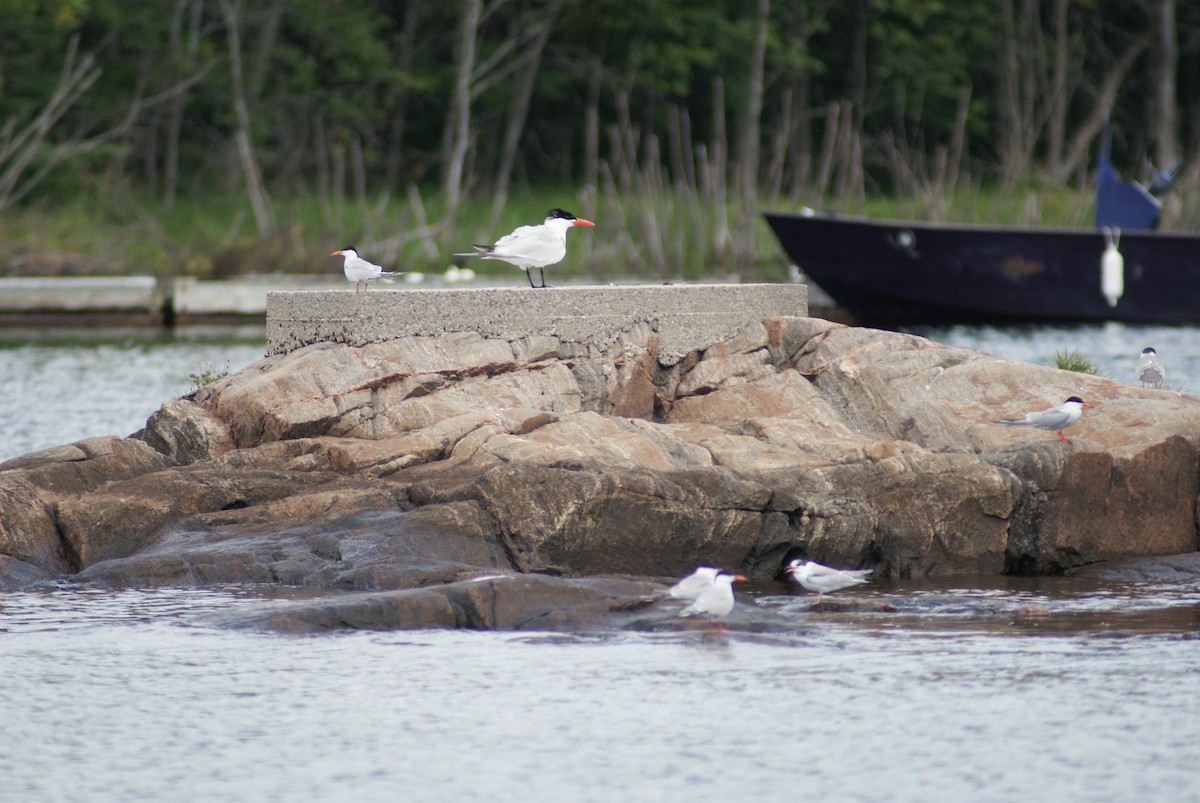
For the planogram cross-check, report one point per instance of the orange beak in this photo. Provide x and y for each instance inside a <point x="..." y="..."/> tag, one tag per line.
<point x="1090" y="407"/>
<point x="336" y="254"/>
<point x="581" y="222"/>
<point x="737" y="578"/>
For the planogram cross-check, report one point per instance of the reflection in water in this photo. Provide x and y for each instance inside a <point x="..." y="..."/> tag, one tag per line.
<point x="122" y="695"/>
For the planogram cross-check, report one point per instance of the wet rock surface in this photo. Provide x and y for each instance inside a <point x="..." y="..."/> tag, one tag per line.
<point x="399" y="472"/>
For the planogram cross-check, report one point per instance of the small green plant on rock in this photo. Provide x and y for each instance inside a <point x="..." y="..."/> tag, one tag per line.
<point x="1074" y="361"/>
<point x="206" y="375"/>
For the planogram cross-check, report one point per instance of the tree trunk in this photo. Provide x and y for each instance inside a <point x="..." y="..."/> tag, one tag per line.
<point x="458" y="122"/>
<point x="175" y="111"/>
<point x="260" y="202"/>
<point x="591" y="125"/>
<point x="717" y="175"/>
<point x="263" y="46"/>
<point x="395" y="146"/>
<point x="1106" y="96"/>
<point x="749" y="136"/>
<point x="1012" y="144"/>
<point x="1056" y="128"/>
<point x="779" y="146"/>
<point x="1166" y="138"/>
<point x="518" y="108"/>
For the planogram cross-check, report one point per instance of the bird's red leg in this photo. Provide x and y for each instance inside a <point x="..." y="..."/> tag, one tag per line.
<point x="1063" y="438"/>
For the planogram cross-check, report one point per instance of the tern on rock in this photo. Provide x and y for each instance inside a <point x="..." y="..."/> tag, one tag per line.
<point x="1054" y="419"/>
<point x="1149" y="368"/>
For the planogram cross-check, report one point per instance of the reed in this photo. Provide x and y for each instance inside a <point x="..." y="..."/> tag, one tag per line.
<point x="653" y="224"/>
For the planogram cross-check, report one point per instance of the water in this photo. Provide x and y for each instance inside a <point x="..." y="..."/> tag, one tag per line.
<point x="130" y="696"/>
<point x="60" y="385"/>
<point x="979" y="689"/>
<point x="1113" y="346"/>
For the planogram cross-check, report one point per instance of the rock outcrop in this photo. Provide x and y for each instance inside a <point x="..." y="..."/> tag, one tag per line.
<point x="417" y="464"/>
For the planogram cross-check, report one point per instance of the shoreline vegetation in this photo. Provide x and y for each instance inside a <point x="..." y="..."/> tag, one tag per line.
<point x="182" y="138"/>
<point x="665" y="234"/>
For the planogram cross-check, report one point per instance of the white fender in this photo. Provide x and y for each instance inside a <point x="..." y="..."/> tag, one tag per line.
<point x="1112" y="268"/>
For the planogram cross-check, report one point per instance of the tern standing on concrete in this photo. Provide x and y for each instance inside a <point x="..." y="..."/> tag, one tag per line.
<point x="531" y="247"/>
<point x="360" y="271"/>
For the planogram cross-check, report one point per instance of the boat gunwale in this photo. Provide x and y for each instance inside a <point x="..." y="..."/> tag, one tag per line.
<point x="989" y="228"/>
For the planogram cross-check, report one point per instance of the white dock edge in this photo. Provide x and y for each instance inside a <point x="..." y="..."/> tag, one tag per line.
<point x="688" y="317"/>
<point x="139" y="294"/>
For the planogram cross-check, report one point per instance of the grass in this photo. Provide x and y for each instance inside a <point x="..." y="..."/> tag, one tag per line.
<point x="650" y="231"/>
<point x="1074" y="361"/>
<point x="665" y="237"/>
<point x="205" y="375"/>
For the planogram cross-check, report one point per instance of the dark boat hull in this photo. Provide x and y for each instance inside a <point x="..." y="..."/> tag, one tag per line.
<point x="895" y="273"/>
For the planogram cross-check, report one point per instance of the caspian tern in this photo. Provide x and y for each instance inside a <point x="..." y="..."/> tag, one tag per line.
<point x="531" y="247"/>
<point x="360" y="271"/>
<point x="716" y="601"/>
<point x="824" y="580"/>
<point x="1149" y="368"/>
<point x="694" y="584"/>
<point x="1054" y="419"/>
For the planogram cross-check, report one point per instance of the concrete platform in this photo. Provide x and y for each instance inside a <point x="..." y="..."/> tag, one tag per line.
<point x="687" y="316"/>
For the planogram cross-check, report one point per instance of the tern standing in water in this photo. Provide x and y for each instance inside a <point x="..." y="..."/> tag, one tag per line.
<point x="694" y="584"/>
<point x="1053" y="419"/>
<point x="716" y="601"/>
<point x="531" y="247"/>
<point x="824" y="580"/>
<point x="1149" y="368"/>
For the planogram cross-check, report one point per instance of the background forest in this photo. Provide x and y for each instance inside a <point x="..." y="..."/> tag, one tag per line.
<point x="213" y="137"/>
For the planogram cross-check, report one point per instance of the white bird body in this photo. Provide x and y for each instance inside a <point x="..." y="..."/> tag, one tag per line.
<point x="823" y="579"/>
<point x="360" y="271"/>
<point x="694" y="584"/>
<point x="1149" y="368"/>
<point x="529" y="247"/>
<point x="1052" y="419"/>
<point x="716" y="601"/>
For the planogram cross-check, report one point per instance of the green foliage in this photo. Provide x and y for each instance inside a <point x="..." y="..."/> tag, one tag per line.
<point x="350" y="101"/>
<point x="1074" y="361"/>
<point x="205" y="375"/>
<point x="659" y="233"/>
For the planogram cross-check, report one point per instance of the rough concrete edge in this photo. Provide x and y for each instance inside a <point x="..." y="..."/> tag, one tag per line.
<point x="675" y="345"/>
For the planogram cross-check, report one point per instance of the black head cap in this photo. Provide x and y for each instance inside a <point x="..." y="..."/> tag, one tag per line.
<point x="562" y="213"/>
<point x="1149" y="350"/>
<point x="1075" y="399"/>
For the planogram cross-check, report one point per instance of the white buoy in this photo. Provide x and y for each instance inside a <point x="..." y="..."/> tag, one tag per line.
<point x="1112" y="268"/>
